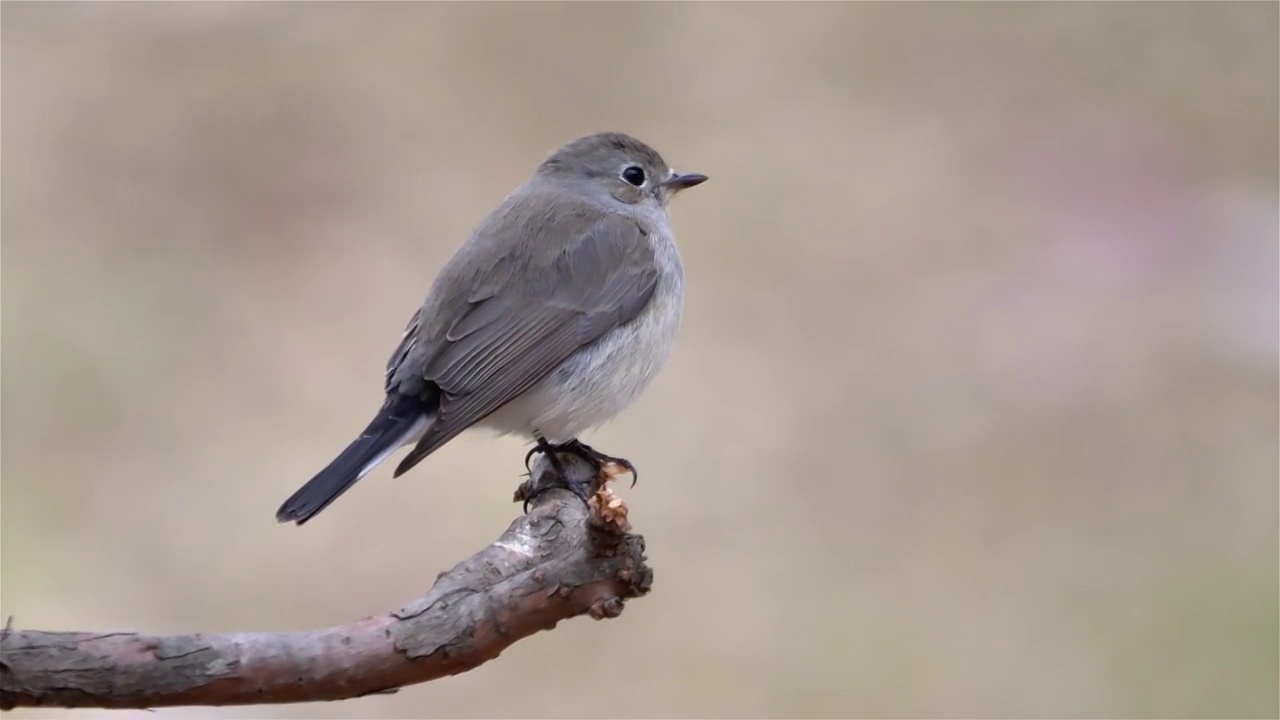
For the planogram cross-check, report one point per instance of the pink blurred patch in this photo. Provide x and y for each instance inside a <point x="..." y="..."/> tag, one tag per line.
<point x="1115" y="195"/>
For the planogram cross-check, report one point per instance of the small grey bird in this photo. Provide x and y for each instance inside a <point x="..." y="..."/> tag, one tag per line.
<point x="551" y="319"/>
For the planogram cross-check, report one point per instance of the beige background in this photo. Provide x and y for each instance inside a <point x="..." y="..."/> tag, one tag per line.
<point x="973" y="412"/>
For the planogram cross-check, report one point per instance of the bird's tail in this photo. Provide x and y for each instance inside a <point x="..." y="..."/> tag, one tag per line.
<point x="401" y="420"/>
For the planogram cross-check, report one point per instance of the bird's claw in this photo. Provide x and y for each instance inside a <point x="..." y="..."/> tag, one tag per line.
<point x="626" y="467"/>
<point x="528" y="457"/>
<point x="602" y="464"/>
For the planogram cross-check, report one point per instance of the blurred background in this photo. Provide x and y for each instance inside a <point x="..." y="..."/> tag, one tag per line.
<point x="973" y="412"/>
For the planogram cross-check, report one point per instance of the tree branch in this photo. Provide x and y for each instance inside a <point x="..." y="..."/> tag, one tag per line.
<point x="558" y="561"/>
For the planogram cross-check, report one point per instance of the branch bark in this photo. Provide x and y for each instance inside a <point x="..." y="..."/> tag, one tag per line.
<point x="558" y="561"/>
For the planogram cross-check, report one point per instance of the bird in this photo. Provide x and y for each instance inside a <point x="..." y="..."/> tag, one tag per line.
<point x="557" y="311"/>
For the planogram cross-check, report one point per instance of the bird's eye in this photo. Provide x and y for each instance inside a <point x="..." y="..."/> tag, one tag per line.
<point x="634" y="175"/>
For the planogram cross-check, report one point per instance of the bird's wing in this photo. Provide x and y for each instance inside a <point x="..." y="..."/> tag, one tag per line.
<point x="513" y="333"/>
<point x="408" y="341"/>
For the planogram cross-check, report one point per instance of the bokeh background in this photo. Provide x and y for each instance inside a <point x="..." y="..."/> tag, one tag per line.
<point x="973" y="413"/>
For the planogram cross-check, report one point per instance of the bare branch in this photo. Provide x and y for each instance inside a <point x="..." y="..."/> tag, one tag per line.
<point x="558" y="561"/>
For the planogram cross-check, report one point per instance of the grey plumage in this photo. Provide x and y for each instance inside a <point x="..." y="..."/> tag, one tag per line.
<point x="556" y="313"/>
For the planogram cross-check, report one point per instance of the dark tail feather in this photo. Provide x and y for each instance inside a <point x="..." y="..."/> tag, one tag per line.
<point x="398" y="421"/>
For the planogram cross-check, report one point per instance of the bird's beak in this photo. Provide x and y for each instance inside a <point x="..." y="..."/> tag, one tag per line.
<point x="680" y="181"/>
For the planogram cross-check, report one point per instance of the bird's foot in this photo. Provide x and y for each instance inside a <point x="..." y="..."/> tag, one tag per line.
<point x="605" y="467"/>
<point x="580" y="490"/>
